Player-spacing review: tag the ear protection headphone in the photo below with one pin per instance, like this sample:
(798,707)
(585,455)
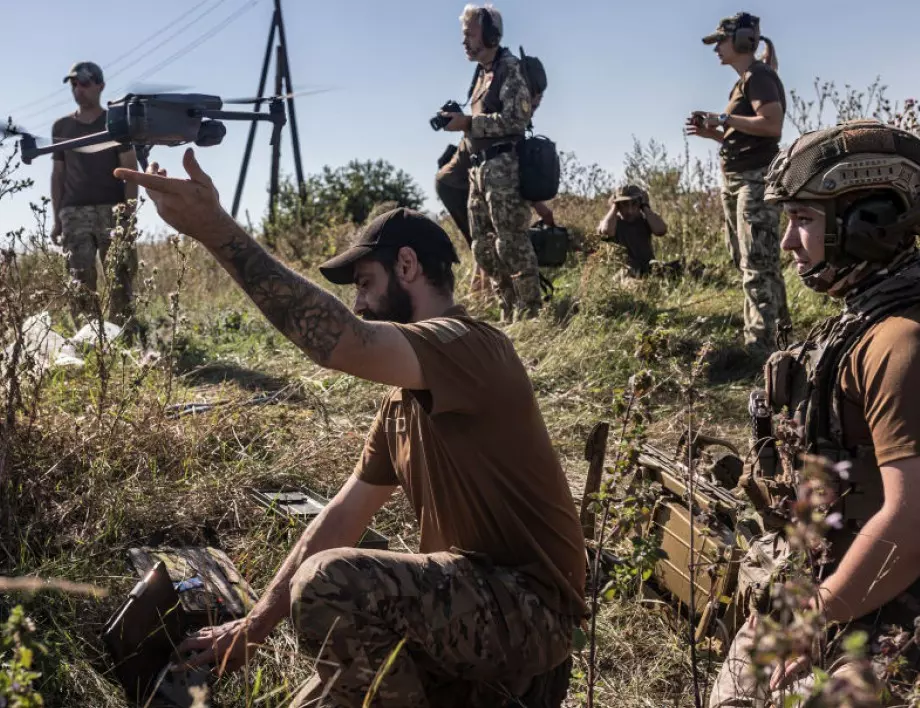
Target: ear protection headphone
(490,34)
(871,229)
(747,33)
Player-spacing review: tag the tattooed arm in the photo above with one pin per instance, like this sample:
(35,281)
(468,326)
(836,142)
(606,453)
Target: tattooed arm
(311,317)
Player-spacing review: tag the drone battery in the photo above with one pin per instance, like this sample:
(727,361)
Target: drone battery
(302,506)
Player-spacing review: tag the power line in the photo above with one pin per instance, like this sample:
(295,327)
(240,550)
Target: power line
(166,62)
(198,40)
(165,41)
(143,42)
(114,62)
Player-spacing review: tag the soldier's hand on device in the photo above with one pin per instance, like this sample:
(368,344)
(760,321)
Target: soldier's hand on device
(191,206)
(458,122)
(227,647)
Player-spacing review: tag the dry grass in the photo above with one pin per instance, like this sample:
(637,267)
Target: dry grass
(94,477)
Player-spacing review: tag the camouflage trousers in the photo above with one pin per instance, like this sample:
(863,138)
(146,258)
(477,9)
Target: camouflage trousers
(752,236)
(737,687)
(86,231)
(475,634)
(499,219)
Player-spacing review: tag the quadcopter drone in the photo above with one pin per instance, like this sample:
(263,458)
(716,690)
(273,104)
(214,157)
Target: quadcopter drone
(144,120)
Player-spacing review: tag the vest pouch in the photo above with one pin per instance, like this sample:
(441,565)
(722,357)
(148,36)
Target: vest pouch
(761,569)
(778,379)
(539,168)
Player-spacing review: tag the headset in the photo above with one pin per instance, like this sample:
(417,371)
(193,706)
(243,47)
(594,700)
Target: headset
(871,229)
(490,34)
(746,36)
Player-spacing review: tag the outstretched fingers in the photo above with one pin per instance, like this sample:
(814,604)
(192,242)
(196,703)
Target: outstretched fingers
(190,163)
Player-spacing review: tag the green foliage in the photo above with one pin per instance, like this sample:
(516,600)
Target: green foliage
(17,660)
(345,195)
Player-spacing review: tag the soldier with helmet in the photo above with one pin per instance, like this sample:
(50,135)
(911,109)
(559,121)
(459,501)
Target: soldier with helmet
(852,195)
(499,216)
(749,131)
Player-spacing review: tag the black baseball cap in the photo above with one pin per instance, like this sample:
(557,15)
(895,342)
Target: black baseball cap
(391,230)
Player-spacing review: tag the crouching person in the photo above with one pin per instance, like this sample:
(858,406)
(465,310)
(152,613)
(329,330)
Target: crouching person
(488,607)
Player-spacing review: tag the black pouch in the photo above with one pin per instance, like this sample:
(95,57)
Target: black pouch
(550,243)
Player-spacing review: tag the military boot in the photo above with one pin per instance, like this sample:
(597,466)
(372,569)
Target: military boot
(528,296)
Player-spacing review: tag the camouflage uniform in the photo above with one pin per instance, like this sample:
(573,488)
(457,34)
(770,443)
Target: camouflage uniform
(499,215)
(475,633)
(86,230)
(752,235)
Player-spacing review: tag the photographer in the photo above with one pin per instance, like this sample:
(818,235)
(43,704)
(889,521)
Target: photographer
(499,216)
(491,601)
(452,184)
(631,223)
(749,131)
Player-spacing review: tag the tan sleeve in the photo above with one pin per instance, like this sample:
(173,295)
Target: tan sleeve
(375,466)
(886,373)
(464,367)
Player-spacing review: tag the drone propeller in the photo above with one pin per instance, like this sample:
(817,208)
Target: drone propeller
(142,89)
(98,147)
(266,99)
(13,130)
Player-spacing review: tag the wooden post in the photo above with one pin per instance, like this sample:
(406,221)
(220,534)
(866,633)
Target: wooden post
(595,454)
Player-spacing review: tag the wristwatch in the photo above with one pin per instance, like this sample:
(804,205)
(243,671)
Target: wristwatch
(723,119)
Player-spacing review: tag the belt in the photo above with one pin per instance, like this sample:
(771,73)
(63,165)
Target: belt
(477,158)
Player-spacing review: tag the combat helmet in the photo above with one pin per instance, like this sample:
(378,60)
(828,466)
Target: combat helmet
(866,176)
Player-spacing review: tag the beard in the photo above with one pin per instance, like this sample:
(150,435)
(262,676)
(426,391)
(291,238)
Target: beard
(396,305)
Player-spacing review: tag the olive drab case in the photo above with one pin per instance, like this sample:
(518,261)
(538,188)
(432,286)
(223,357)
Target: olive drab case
(209,587)
(141,638)
(719,535)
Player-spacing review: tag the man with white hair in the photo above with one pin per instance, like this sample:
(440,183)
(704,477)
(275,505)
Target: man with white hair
(501,107)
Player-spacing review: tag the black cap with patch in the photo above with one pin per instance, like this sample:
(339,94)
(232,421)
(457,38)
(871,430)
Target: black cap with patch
(391,230)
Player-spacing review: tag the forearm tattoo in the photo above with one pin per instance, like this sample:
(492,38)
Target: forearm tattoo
(312,318)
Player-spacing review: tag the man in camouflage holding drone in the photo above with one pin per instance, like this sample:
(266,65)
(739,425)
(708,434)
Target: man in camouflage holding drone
(499,215)
(852,195)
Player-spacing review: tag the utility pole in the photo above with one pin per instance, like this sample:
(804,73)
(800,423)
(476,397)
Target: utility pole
(283,84)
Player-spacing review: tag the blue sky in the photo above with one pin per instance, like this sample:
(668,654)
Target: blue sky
(617,70)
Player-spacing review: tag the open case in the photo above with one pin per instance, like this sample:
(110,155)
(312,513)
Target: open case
(142,636)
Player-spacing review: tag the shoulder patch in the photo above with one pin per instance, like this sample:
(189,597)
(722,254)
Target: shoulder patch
(446,329)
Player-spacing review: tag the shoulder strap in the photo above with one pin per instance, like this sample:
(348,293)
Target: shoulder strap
(476,74)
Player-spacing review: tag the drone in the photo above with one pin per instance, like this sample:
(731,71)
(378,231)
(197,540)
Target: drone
(145,120)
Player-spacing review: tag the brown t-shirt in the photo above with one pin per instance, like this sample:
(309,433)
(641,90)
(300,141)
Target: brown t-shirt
(741,151)
(880,380)
(636,237)
(88,178)
(473,456)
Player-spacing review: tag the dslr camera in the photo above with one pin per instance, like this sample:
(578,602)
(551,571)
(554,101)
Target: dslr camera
(439,121)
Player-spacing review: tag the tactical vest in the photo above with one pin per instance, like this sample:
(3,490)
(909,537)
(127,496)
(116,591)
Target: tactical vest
(485,96)
(804,399)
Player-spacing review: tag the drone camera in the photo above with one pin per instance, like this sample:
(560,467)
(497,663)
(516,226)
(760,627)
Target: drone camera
(210,133)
